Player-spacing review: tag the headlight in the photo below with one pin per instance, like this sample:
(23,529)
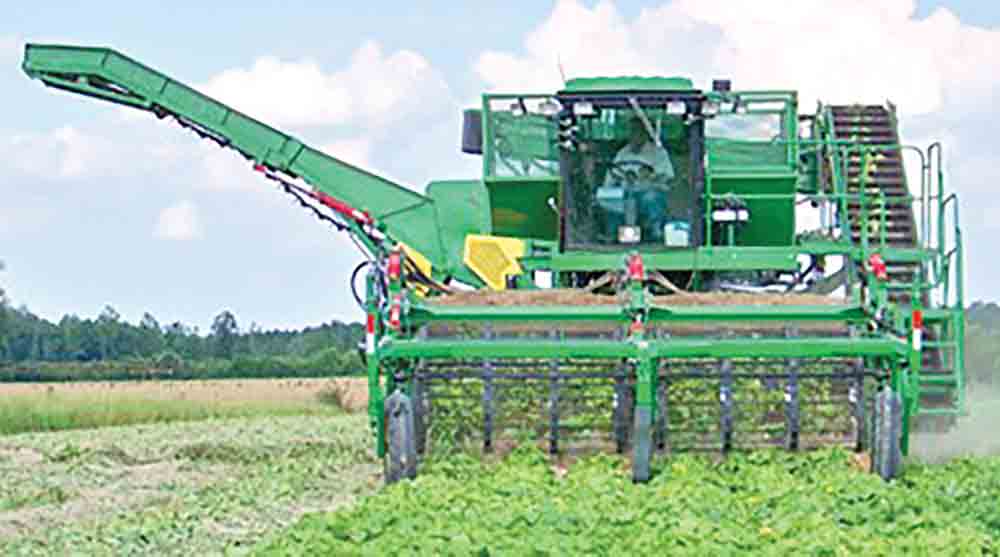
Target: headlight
(730,215)
(629,234)
(676,108)
(583,108)
(549,107)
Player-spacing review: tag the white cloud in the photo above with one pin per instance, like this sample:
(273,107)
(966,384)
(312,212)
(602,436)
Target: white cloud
(586,41)
(65,152)
(374,89)
(179,222)
(844,51)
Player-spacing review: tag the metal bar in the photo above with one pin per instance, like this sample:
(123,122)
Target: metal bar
(664,348)
(657,313)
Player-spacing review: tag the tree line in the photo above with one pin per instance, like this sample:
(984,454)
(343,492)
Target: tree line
(109,347)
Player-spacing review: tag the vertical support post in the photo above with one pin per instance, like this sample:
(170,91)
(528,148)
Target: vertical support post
(376,394)
(726,404)
(645,386)
(488,396)
(910,383)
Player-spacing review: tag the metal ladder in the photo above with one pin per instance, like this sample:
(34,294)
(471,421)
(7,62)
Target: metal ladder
(885,178)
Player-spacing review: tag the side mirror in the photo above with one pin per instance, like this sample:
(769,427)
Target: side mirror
(472,131)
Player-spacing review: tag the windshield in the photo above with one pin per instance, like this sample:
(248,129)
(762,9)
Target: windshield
(627,178)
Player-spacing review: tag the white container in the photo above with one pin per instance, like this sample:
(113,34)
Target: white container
(677,234)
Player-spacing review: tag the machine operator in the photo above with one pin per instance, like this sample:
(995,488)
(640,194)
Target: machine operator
(652,161)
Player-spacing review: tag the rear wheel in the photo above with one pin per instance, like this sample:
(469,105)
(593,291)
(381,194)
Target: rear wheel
(887,455)
(401,451)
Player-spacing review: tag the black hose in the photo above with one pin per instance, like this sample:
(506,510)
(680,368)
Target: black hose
(354,286)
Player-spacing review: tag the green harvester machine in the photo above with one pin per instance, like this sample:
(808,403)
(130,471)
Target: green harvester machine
(643,267)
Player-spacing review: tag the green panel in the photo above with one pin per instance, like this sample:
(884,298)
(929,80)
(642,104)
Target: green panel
(462,208)
(520,207)
(772,220)
(628,83)
(705,259)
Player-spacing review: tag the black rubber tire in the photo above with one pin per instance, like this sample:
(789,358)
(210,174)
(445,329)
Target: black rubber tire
(642,444)
(401,450)
(887,455)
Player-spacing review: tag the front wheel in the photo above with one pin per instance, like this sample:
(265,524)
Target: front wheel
(401,449)
(887,454)
(642,444)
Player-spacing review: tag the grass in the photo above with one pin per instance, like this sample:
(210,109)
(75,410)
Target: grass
(57,413)
(47,408)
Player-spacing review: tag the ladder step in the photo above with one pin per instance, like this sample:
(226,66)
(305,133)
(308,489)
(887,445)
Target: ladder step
(940,344)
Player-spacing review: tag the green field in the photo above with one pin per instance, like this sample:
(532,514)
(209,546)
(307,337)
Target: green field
(761,503)
(263,482)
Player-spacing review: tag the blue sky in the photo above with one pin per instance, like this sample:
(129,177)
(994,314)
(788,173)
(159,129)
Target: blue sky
(101,207)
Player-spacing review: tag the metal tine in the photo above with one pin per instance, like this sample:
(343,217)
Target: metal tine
(488,395)
(554,401)
(856,398)
(621,409)
(726,404)
(660,431)
(792,408)
(617,401)
(421,410)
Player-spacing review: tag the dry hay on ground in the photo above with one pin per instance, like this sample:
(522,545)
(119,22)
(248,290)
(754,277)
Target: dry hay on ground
(220,391)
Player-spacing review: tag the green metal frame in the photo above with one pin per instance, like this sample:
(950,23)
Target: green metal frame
(437,223)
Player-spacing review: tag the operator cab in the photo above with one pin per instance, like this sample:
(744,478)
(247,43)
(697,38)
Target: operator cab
(630,164)
(612,164)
